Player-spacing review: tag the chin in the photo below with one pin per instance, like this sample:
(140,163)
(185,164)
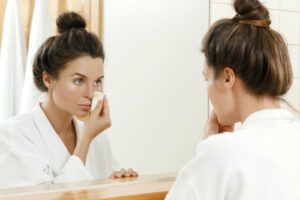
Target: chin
(81,114)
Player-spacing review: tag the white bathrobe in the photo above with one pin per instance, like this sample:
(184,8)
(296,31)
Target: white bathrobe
(32,153)
(259,161)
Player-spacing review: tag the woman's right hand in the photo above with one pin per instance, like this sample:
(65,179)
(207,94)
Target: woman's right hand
(96,124)
(213,127)
(98,121)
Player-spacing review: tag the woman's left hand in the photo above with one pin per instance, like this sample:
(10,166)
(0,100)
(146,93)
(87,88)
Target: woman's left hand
(122,173)
(213,127)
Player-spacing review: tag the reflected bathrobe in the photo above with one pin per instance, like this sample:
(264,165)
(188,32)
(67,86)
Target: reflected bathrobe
(261,160)
(32,153)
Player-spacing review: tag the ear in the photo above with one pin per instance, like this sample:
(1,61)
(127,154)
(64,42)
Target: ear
(48,80)
(229,78)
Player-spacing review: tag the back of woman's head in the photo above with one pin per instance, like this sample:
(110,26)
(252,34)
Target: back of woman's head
(72,42)
(257,54)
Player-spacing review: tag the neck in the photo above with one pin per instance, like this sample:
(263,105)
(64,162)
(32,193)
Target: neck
(254,104)
(60,120)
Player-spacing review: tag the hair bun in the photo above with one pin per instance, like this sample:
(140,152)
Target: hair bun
(68,21)
(251,10)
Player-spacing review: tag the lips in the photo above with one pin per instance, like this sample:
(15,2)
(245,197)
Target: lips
(85,107)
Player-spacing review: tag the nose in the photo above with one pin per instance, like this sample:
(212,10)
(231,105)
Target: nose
(89,91)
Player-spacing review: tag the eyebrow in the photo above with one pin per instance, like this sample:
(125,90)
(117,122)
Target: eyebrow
(78,74)
(203,73)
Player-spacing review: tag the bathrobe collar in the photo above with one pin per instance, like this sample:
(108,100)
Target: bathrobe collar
(269,115)
(56,147)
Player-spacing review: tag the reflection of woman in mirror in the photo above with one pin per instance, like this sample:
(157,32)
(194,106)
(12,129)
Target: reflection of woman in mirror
(49,145)
(247,71)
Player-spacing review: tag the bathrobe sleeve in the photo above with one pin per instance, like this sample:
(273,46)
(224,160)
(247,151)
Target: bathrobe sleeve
(182,188)
(73,170)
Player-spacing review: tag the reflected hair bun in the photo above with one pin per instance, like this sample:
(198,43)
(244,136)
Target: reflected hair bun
(252,12)
(68,21)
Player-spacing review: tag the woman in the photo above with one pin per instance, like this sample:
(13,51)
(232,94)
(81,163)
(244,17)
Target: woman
(49,145)
(247,72)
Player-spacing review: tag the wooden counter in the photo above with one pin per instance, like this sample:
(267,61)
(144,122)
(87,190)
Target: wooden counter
(141,188)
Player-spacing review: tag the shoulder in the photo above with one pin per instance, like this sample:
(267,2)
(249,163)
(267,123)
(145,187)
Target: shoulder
(211,166)
(10,134)
(220,144)
(17,121)
(222,149)
(17,129)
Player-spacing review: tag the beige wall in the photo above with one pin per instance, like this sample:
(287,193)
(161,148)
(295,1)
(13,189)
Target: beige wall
(154,81)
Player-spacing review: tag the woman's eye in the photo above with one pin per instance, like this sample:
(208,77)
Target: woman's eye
(78,81)
(97,83)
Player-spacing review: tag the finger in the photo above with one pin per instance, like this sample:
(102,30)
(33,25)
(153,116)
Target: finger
(213,116)
(227,128)
(130,170)
(134,174)
(118,175)
(113,175)
(98,108)
(127,174)
(122,172)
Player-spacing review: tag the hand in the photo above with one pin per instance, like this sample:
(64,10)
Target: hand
(98,121)
(122,173)
(213,127)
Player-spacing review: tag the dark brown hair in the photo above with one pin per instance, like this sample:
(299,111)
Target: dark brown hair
(72,42)
(257,54)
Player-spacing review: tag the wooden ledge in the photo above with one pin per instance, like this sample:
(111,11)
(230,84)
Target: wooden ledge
(141,188)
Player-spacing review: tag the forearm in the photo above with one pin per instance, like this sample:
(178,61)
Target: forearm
(82,148)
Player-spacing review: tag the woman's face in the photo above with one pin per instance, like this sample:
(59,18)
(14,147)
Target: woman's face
(73,90)
(220,95)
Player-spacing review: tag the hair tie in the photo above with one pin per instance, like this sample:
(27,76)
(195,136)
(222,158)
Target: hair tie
(260,23)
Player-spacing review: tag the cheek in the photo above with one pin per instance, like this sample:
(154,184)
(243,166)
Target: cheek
(218,100)
(224,109)
(223,103)
(67,94)
(212,95)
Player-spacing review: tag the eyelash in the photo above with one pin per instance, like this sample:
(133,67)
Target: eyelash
(96,83)
(79,79)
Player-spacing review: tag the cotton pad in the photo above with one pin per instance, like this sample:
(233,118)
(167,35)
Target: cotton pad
(98,96)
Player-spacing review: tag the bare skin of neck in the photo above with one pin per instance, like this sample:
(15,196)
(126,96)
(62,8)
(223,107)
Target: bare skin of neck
(253,103)
(62,123)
